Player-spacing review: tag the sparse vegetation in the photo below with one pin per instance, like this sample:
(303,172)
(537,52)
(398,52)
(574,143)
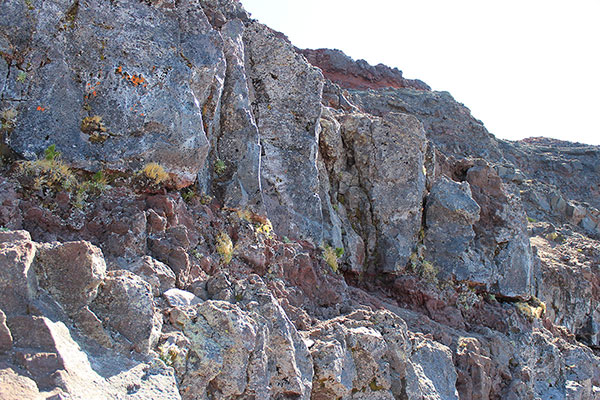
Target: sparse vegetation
(155,172)
(188,194)
(168,354)
(21,76)
(94,127)
(8,118)
(93,187)
(49,173)
(220,167)
(331,256)
(261,223)
(224,247)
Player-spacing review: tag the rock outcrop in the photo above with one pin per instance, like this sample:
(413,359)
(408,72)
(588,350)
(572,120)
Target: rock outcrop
(192,208)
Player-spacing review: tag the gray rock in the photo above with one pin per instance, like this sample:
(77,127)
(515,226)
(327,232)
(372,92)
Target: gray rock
(222,338)
(236,145)
(149,86)
(247,349)
(450,214)
(12,236)
(157,274)
(58,362)
(81,262)
(180,298)
(16,386)
(285,93)
(126,308)
(384,189)
(430,374)
(447,123)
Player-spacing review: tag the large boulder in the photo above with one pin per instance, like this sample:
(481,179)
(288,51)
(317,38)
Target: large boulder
(112,84)
(383,186)
(59,362)
(18,283)
(246,349)
(126,308)
(286,96)
(236,147)
(83,264)
(450,215)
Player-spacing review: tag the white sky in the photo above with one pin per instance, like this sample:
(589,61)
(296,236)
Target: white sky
(524,67)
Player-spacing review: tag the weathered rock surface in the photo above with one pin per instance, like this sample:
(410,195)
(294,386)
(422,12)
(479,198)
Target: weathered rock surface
(81,262)
(18,283)
(124,297)
(383,188)
(450,215)
(349,234)
(107,87)
(6,339)
(341,69)
(286,100)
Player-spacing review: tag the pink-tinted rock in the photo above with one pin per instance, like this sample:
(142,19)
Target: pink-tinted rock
(125,305)
(341,69)
(18,283)
(83,264)
(6,340)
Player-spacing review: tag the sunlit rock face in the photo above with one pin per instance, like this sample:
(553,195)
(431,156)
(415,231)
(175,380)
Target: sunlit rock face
(193,208)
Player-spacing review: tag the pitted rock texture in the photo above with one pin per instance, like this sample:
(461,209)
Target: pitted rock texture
(344,234)
(108,87)
(286,100)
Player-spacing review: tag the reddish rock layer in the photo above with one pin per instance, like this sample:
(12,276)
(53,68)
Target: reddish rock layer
(350,74)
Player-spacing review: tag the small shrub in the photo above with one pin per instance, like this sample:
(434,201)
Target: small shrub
(50,153)
(532,220)
(220,167)
(3,229)
(93,187)
(188,194)
(94,127)
(49,172)
(155,172)
(224,247)
(330,255)
(552,236)
(168,354)
(265,228)
(8,118)
(21,76)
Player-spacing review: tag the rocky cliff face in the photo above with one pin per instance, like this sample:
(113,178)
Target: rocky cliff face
(193,208)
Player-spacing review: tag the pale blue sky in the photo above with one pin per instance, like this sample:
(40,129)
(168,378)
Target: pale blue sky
(525,68)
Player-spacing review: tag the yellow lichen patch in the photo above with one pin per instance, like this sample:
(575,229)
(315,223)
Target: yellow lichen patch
(261,223)
(94,127)
(265,228)
(155,172)
(92,124)
(534,308)
(224,247)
